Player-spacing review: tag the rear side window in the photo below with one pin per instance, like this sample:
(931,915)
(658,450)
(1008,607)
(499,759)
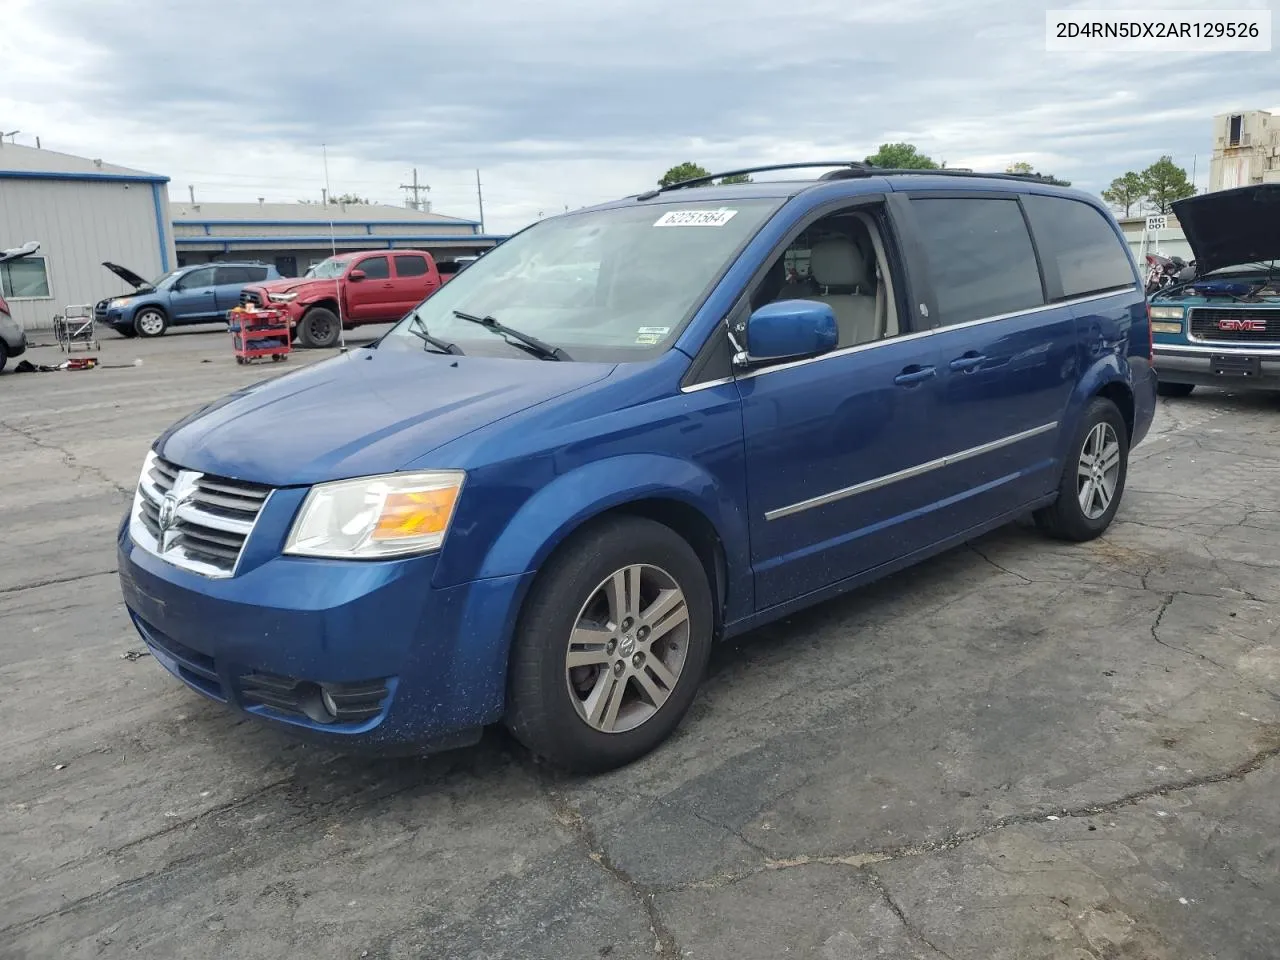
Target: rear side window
(375,268)
(230,275)
(979,256)
(256,273)
(410,266)
(1079,240)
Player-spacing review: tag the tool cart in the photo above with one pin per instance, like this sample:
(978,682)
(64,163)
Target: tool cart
(258,334)
(75,327)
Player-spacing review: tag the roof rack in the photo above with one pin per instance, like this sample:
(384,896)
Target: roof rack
(846,170)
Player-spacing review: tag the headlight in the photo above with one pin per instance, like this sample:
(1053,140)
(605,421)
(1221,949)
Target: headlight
(281,297)
(1166,313)
(387,516)
(1166,326)
(118,303)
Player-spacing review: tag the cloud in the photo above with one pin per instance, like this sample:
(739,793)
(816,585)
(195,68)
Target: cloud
(564,104)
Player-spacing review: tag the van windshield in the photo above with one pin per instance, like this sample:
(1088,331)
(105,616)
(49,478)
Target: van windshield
(615,284)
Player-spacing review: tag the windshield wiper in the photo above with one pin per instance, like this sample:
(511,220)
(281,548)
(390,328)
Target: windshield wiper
(535,346)
(419,329)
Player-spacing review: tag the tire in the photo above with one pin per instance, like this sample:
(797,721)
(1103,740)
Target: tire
(319,327)
(127,332)
(150,322)
(4,354)
(1166,389)
(1067,518)
(550,704)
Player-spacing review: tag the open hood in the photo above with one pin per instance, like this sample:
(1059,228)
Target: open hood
(1230,227)
(127,275)
(17,253)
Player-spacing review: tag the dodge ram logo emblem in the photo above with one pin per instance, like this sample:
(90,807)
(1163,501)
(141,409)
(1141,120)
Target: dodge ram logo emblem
(168,510)
(1252,326)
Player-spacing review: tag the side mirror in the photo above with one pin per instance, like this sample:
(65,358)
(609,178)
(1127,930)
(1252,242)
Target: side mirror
(788,330)
(356,275)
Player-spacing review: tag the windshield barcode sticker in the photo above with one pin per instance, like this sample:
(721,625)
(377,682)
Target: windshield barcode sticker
(695,218)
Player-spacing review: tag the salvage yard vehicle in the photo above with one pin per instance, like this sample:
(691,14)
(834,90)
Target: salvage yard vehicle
(202,293)
(543,499)
(1222,327)
(13,339)
(349,290)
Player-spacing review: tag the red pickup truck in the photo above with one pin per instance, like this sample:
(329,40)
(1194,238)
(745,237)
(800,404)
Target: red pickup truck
(348,290)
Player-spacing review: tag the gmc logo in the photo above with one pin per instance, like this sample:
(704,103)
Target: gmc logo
(1252,326)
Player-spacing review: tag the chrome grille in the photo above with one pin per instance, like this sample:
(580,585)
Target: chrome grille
(250,296)
(1236,324)
(193,520)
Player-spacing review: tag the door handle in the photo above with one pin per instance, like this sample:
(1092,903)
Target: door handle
(968,362)
(914,374)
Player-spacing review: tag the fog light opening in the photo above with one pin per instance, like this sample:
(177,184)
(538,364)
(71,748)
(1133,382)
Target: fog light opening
(326,700)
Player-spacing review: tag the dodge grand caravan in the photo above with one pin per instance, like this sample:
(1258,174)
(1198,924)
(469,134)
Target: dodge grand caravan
(630,432)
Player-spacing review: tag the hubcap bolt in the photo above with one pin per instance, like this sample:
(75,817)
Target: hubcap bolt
(611,646)
(642,633)
(618,668)
(626,624)
(637,660)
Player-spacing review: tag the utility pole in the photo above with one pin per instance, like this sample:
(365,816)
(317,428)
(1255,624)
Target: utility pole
(415,189)
(191,189)
(480,199)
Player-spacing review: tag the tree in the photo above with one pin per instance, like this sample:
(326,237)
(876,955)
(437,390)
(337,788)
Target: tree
(349,198)
(1127,191)
(901,156)
(682,171)
(1024,169)
(1164,182)
(740,178)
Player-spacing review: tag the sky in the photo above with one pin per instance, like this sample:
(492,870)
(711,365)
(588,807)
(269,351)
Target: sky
(561,104)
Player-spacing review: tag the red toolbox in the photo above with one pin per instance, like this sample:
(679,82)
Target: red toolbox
(257,334)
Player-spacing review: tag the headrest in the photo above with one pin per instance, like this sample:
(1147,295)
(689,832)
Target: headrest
(837,263)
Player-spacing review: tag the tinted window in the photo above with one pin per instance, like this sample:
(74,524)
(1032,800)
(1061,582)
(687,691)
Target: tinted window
(409,266)
(375,268)
(1081,242)
(979,256)
(256,273)
(198,279)
(230,275)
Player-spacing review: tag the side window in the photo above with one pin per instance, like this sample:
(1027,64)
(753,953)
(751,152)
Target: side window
(225,276)
(198,279)
(256,273)
(841,261)
(410,266)
(979,256)
(27,277)
(1080,241)
(375,268)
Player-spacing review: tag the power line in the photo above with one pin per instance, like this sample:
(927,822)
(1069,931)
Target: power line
(415,188)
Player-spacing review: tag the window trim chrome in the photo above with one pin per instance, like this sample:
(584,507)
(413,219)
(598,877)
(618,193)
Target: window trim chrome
(918,470)
(919,334)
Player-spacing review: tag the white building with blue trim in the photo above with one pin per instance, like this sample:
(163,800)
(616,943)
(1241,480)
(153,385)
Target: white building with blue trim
(293,236)
(83,212)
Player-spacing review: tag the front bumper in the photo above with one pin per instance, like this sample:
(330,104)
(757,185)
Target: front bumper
(440,654)
(1227,367)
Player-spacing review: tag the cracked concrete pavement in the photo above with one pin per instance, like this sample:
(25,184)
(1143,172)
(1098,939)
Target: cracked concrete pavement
(1022,749)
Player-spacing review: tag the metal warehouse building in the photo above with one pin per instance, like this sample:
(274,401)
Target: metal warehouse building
(294,236)
(82,212)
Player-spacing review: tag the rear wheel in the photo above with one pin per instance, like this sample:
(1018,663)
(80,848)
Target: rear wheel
(1093,477)
(1166,389)
(319,327)
(611,646)
(150,322)
(4,354)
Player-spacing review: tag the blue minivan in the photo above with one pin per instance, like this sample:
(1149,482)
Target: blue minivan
(630,432)
(202,293)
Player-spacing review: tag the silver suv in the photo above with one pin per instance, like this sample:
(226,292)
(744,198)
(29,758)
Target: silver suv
(13,340)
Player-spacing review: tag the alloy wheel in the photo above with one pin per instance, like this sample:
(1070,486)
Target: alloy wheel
(1098,471)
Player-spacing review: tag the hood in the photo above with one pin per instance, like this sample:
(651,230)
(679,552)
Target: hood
(128,276)
(362,413)
(298,285)
(1230,227)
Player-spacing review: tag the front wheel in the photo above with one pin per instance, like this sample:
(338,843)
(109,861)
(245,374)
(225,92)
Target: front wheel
(319,327)
(611,646)
(1093,477)
(150,323)
(1166,389)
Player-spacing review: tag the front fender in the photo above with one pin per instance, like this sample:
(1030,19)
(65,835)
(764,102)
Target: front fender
(562,506)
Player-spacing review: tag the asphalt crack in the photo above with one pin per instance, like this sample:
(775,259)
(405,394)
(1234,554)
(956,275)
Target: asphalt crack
(54,581)
(914,932)
(1003,569)
(69,459)
(863,859)
(1155,634)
